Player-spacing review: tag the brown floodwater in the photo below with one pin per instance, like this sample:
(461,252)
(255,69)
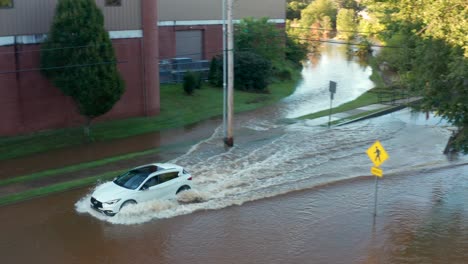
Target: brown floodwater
(422,218)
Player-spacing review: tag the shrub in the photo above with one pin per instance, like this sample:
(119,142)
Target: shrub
(252,71)
(215,76)
(190,82)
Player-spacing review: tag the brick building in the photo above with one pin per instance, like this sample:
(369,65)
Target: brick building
(143,32)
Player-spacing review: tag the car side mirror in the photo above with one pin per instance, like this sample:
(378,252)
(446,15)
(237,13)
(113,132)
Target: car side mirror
(144,188)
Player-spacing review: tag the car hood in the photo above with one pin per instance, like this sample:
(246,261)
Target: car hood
(110,191)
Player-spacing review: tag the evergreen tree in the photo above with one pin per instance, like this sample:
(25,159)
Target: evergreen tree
(78,57)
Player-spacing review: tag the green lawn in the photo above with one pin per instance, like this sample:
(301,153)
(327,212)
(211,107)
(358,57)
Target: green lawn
(367,98)
(177,110)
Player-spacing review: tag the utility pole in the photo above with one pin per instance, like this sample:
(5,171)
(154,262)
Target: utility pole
(229,139)
(224,71)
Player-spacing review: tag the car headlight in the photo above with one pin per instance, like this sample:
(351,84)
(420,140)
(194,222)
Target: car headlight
(112,201)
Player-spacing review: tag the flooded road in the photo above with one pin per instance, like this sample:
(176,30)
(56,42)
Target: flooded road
(319,207)
(286,193)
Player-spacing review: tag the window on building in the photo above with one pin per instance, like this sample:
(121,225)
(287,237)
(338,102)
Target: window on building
(111,2)
(6,3)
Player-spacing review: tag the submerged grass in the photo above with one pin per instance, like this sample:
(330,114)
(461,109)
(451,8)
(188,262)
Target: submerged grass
(60,187)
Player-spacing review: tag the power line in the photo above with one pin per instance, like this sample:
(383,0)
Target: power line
(61,48)
(63,67)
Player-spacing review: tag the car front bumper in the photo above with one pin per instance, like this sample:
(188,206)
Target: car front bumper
(109,210)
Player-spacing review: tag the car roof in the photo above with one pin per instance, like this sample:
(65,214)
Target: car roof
(161,166)
(167,166)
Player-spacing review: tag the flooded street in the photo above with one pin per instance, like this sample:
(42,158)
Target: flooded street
(285,193)
(319,207)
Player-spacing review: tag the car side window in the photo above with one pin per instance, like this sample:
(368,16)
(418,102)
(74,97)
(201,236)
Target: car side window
(151,182)
(168,176)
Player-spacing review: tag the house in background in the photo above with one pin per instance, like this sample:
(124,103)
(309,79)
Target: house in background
(144,33)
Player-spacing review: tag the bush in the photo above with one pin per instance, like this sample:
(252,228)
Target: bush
(198,80)
(190,82)
(215,76)
(252,71)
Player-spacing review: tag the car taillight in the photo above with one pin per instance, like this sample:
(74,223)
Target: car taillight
(190,178)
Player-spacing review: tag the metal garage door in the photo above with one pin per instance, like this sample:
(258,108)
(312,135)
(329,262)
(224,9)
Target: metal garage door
(189,44)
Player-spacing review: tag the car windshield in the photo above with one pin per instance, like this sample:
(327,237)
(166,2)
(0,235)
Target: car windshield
(132,179)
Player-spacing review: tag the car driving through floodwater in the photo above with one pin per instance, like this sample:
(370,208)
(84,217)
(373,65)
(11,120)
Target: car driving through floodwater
(140,184)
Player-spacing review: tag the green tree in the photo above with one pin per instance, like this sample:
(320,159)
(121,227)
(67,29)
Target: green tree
(261,37)
(432,36)
(346,24)
(79,59)
(252,72)
(294,9)
(318,9)
(6,3)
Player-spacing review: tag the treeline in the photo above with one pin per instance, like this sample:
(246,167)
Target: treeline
(426,45)
(428,48)
(317,19)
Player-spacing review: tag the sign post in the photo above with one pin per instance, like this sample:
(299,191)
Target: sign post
(377,155)
(332,89)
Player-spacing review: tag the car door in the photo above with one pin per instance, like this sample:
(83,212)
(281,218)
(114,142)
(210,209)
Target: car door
(168,183)
(149,190)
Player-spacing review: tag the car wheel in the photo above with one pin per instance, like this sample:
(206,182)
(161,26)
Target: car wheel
(183,188)
(127,203)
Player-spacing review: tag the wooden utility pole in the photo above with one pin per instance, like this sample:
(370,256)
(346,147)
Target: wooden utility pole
(229,139)
(224,71)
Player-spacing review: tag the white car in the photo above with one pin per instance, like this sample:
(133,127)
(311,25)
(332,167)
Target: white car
(144,183)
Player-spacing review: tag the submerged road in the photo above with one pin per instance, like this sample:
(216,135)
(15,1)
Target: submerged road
(285,194)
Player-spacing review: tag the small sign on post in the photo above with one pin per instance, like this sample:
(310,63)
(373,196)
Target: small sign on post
(332,89)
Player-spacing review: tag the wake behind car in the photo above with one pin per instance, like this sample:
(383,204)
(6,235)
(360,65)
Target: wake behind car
(140,184)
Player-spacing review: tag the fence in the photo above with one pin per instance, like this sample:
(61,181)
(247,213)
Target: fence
(173,70)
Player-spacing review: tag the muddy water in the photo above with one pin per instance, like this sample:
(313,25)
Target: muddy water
(319,207)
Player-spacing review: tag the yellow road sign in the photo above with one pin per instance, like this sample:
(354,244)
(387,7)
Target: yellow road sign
(377,154)
(377,172)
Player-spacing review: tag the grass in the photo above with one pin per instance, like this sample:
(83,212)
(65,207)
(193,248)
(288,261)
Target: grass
(177,110)
(337,122)
(368,98)
(60,187)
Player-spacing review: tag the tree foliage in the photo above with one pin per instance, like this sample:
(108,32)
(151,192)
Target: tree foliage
(252,72)
(346,24)
(318,9)
(432,36)
(261,37)
(294,9)
(6,3)
(79,58)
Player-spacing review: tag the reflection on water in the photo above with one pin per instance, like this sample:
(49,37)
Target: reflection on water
(332,64)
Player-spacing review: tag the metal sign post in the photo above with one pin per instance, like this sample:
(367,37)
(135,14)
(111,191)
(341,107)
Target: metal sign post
(332,90)
(377,155)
